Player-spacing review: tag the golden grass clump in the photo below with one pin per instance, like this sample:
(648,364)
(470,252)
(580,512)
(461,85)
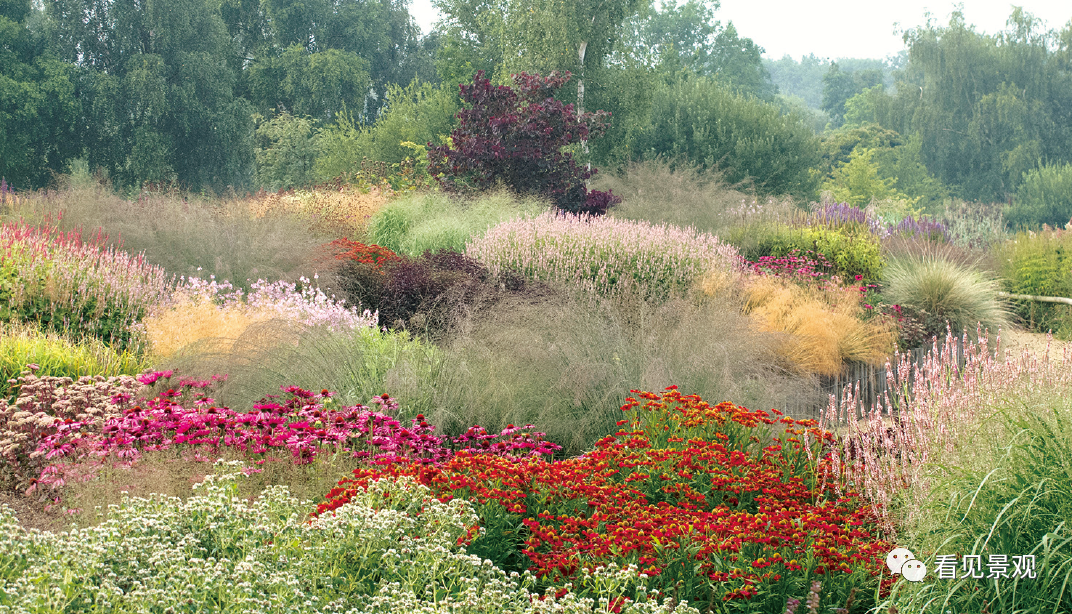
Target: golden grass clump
(196,319)
(328,210)
(823,327)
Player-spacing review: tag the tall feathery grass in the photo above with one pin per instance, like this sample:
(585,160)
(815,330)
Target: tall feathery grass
(343,211)
(685,196)
(190,235)
(566,362)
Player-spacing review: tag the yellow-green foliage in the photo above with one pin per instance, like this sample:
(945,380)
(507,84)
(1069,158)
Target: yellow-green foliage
(22,344)
(852,251)
(857,181)
(192,319)
(1040,263)
(418,222)
(823,328)
(343,211)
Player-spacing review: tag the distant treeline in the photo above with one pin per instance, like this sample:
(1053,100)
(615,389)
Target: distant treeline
(204,94)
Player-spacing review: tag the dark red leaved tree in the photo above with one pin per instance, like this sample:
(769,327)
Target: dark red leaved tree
(516,134)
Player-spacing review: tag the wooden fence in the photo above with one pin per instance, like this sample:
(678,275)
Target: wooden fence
(872,382)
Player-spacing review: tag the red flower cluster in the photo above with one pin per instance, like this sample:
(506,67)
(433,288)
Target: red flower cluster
(359,252)
(691,494)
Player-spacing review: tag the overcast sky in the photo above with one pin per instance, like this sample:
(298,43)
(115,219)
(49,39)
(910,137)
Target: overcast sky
(843,28)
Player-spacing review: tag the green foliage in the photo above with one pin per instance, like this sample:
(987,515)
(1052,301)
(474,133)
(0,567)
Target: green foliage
(852,251)
(59,357)
(897,162)
(308,84)
(748,140)
(839,86)
(837,145)
(687,38)
(986,108)
(157,93)
(416,223)
(418,114)
(948,291)
(38,106)
(287,152)
(857,181)
(1044,197)
(1040,263)
(803,79)
(1004,491)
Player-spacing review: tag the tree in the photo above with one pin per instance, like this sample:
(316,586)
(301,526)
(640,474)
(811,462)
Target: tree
(749,140)
(803,79)
(286,152)
(839,86)
(156,90)
(986,108)
(418,113)
(516,136)
(309,84)
(688,38)
(38,107)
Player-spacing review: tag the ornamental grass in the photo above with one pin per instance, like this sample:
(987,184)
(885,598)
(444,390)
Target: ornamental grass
(326,210)
(824,328)
(950,397)
(217,315)
(603,255)
(187,234)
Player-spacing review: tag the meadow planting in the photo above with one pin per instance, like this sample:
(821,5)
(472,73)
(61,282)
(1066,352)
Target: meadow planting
(427,402)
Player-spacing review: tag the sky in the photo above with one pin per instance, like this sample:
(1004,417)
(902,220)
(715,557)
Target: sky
(843,28)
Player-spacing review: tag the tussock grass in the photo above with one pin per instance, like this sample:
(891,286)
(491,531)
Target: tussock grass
(956,293)
(823,328)
(433,221)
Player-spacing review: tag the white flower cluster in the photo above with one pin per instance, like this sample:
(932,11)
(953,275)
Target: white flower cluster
(309,306)
(390,550)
